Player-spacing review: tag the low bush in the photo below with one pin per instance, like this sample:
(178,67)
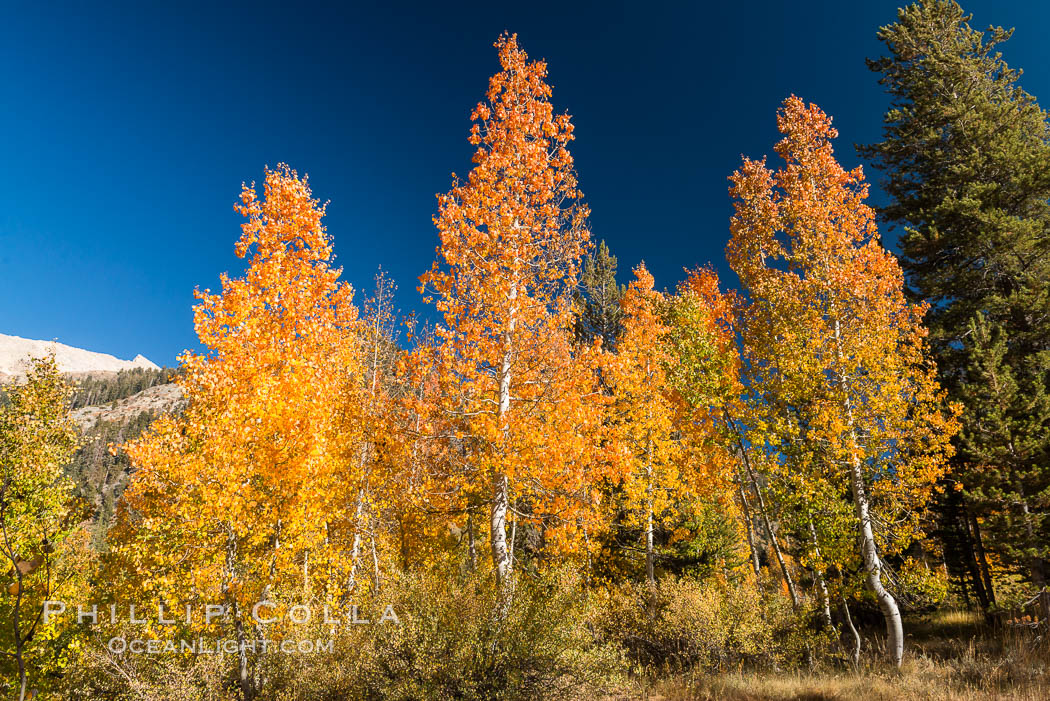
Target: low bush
(456,639)
(685,623)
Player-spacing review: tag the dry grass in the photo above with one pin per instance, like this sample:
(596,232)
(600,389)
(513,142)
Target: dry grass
(951,657)
(915,686)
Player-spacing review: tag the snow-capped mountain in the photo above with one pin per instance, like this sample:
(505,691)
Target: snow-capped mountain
(14,350)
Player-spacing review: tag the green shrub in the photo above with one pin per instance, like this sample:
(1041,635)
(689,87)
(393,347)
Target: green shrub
(452,644)
(455,640)
(687,623)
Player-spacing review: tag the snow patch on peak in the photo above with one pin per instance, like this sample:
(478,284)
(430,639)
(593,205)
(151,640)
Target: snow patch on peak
(15,351)
(142,361)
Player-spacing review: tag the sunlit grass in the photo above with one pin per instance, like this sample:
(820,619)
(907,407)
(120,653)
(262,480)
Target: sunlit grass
(952,656)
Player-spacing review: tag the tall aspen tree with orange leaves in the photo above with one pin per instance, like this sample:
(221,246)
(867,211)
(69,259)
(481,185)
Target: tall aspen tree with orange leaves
(643,414)
(837,355)
(673,373)
(247,496)
(512,236)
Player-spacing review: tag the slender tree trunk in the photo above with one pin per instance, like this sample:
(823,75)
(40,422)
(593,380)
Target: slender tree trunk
(749,528)
(367,448)
(498,524)
(355,549)
(1035,563)
(17,624)
(513,532)
(21,673)
(244,677)
(973,563)
(590,564)
(868,549)
(376,574)
(822,585)
(855,653)
(650,552)
(873,567)
(247,688)
(650,574)
(982,559)
(500,485)
(16,618)
(472,547)
(792,591)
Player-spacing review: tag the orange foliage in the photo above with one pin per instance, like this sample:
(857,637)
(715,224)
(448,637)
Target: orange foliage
(515,394)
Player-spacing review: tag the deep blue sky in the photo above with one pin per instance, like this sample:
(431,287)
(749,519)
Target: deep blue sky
(128,129)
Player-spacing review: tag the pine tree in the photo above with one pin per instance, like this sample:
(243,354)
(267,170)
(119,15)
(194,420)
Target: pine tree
(599,314)
(967,155)
(1006,439)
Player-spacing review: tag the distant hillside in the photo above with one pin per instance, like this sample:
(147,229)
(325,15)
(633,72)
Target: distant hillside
(102,389)
(112,408)
(14,350)
(154,401)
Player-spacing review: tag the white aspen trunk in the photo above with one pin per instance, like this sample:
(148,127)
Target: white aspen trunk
(470,541)
(375,562)
(590,564)
(822,585)
(745,509)
(649,555)
(243,673)
(868,548)
(825,600)
(498,524)
(363,465)
(513,533)
(855,652)
(355,550)
(873,569)
(500,485)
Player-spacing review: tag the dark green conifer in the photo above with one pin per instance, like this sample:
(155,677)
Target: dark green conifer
(966,153)
(598,301)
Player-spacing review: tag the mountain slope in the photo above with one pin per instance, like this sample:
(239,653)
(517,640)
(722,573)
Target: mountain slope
(155,400)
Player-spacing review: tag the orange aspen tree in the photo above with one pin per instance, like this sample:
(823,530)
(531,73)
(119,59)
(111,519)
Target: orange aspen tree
(233,499)
(424,453)
(512,236)
(837,356)
(643,414)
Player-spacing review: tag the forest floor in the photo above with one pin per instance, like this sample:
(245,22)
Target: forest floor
(951,656)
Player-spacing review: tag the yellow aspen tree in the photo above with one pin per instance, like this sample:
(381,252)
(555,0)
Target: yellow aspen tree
(233,499)
(377,469)
(512,236)
(836,354)
(704,384)
(39,524)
